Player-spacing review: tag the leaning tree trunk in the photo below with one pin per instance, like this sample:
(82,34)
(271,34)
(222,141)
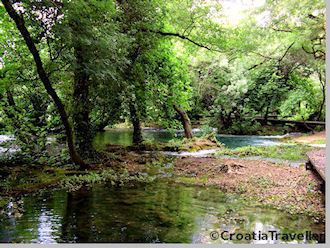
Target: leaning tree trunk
(20,24)
(185,121)
(137,130)
(81,105)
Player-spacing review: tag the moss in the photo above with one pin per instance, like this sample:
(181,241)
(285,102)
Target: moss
(108,175)
(192,145)
(287,152)
(27,179)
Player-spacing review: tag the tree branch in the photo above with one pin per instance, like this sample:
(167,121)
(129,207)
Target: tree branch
(282,30)
(261,55)
(267,58)
(286,52)
(256,65)
(183,37)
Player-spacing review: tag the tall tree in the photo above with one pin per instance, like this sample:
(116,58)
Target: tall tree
(20,24)
(137,16)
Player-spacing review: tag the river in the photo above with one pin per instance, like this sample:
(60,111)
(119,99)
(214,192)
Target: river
(148,213)
(144,213)
(124,137)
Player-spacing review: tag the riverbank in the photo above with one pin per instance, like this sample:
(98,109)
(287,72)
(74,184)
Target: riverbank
(20,180)
(268,184)
(293,190)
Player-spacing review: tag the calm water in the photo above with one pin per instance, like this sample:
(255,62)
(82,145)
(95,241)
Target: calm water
(157,212)
(124,137)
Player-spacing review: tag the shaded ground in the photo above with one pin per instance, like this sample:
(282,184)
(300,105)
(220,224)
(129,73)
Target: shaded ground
(119,166)
(291,189)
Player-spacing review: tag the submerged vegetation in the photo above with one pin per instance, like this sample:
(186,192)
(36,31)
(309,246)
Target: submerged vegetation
(26,180)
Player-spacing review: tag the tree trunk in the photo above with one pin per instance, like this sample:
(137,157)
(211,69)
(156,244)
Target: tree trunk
(323,96)
(81,106)
(185,121)
(137,130)
(226,120)
(266,116)
(10,99)
(11,112)
(321,107)
(39,105)
(20,24)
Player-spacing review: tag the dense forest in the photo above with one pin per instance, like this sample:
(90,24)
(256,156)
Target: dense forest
(212,73)
(75,67)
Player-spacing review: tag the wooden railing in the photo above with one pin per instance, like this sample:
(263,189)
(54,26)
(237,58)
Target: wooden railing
(283,121)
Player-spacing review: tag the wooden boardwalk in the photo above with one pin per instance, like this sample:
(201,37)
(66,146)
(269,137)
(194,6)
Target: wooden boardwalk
(316,162)
(283,121)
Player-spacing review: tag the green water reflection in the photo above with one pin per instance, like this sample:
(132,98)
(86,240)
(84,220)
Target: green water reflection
(125,136)
(157,212)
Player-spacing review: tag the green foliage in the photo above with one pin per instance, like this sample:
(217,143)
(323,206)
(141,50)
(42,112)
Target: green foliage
(206,130)
(152,55)
(167,83)
(303,101)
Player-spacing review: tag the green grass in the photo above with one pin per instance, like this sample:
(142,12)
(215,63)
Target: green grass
(320,141)
(287,152)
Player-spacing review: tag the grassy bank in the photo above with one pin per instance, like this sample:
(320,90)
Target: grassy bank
(292,152)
